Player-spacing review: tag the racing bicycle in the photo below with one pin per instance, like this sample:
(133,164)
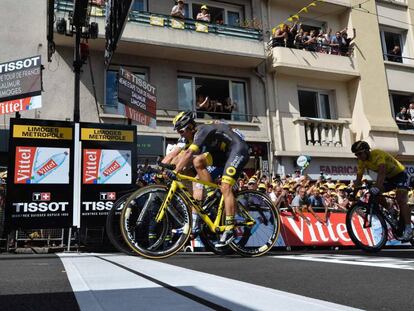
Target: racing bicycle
(156,220)
(370,224)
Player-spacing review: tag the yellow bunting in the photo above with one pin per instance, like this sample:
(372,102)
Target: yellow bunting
(200,27)
(305,10)
(177,24)
(157,21)
(312,4)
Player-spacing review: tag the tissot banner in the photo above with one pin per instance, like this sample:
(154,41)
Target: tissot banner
(40,178)
(138,96)
(20,85)
(109,164)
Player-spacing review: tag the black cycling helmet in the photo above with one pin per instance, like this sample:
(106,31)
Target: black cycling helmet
(183,119)
(360,146)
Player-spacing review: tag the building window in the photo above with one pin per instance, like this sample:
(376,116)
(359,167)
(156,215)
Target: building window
(111,88)
(315,104)
(213,98)
(221,13)
(139,5)
(400,101)
(392,41)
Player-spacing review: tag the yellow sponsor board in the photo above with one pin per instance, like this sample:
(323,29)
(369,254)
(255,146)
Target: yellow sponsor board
(107,135)
(42,132)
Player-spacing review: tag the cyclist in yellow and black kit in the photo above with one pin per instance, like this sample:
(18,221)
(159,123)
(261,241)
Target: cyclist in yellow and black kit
(391,175)
(222,147)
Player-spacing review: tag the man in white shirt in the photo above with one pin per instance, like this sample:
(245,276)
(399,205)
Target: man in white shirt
(178,10)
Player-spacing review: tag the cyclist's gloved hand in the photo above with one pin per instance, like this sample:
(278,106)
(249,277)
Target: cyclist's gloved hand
(375,191)
(171,175)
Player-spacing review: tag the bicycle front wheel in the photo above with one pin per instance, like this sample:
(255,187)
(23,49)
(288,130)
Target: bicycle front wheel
(257,224)
(113,230)
(147,237)
(368,231)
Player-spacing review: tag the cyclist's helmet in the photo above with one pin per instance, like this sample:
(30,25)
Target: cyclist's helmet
(360,146)
(183,119)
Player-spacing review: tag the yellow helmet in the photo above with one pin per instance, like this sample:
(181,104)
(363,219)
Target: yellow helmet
(183,119)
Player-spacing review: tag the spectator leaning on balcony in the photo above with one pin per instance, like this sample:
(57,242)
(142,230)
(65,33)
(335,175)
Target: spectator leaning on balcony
(310,41)
(345,48)
(410,111)
(281,35)
(324,40)
(202,104)
(402,116)
(203,15)
(178,10)
(299,39)
(337,43)
(228,108)
(395,54)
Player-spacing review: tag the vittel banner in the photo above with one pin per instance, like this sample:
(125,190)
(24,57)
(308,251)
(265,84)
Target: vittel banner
(109,165)
(40,179)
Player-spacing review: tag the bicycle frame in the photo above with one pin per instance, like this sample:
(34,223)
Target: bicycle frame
(177,186)
(374,204)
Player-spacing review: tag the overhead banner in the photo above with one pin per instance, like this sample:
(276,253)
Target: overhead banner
(20,85)
(109,168)
(139,98)
(40,178)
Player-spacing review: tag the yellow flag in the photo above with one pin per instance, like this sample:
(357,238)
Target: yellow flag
(312,4)
(290,19)
(305,9)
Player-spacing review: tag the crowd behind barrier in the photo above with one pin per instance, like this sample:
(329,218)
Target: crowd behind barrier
(313,202)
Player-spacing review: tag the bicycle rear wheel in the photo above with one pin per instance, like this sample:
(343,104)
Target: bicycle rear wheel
(253,240)
(113,230)
(368,231)
(147,237)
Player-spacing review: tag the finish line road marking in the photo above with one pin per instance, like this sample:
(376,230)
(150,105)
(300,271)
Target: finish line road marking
(119,282)
(368,261)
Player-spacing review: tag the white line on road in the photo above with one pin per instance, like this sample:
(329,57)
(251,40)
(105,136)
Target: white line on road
(369,261)
(100,285)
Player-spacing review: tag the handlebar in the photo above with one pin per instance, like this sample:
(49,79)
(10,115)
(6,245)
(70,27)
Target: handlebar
(170,167)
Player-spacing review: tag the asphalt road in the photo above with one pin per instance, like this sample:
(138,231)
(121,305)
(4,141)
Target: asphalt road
(297,280)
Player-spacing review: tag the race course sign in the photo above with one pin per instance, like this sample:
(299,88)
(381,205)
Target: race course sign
(139,98)
(40,179)
(20,85)
(109,154)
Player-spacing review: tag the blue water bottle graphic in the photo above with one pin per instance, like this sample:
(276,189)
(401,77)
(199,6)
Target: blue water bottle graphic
(376,230)
(47,167)
(108,171)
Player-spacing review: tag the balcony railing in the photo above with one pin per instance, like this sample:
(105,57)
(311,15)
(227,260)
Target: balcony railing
(324,133)
(317,48)
(157,20)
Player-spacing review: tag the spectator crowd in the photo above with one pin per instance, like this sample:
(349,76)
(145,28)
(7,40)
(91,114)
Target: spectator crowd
(405,118)
(314,40)
(298,193)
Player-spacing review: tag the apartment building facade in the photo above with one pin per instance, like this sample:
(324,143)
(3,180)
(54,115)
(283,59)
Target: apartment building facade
(289,102)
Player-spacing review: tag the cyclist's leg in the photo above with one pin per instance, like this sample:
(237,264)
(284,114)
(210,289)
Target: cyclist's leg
(236,161)
(401,183)
(200,163)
